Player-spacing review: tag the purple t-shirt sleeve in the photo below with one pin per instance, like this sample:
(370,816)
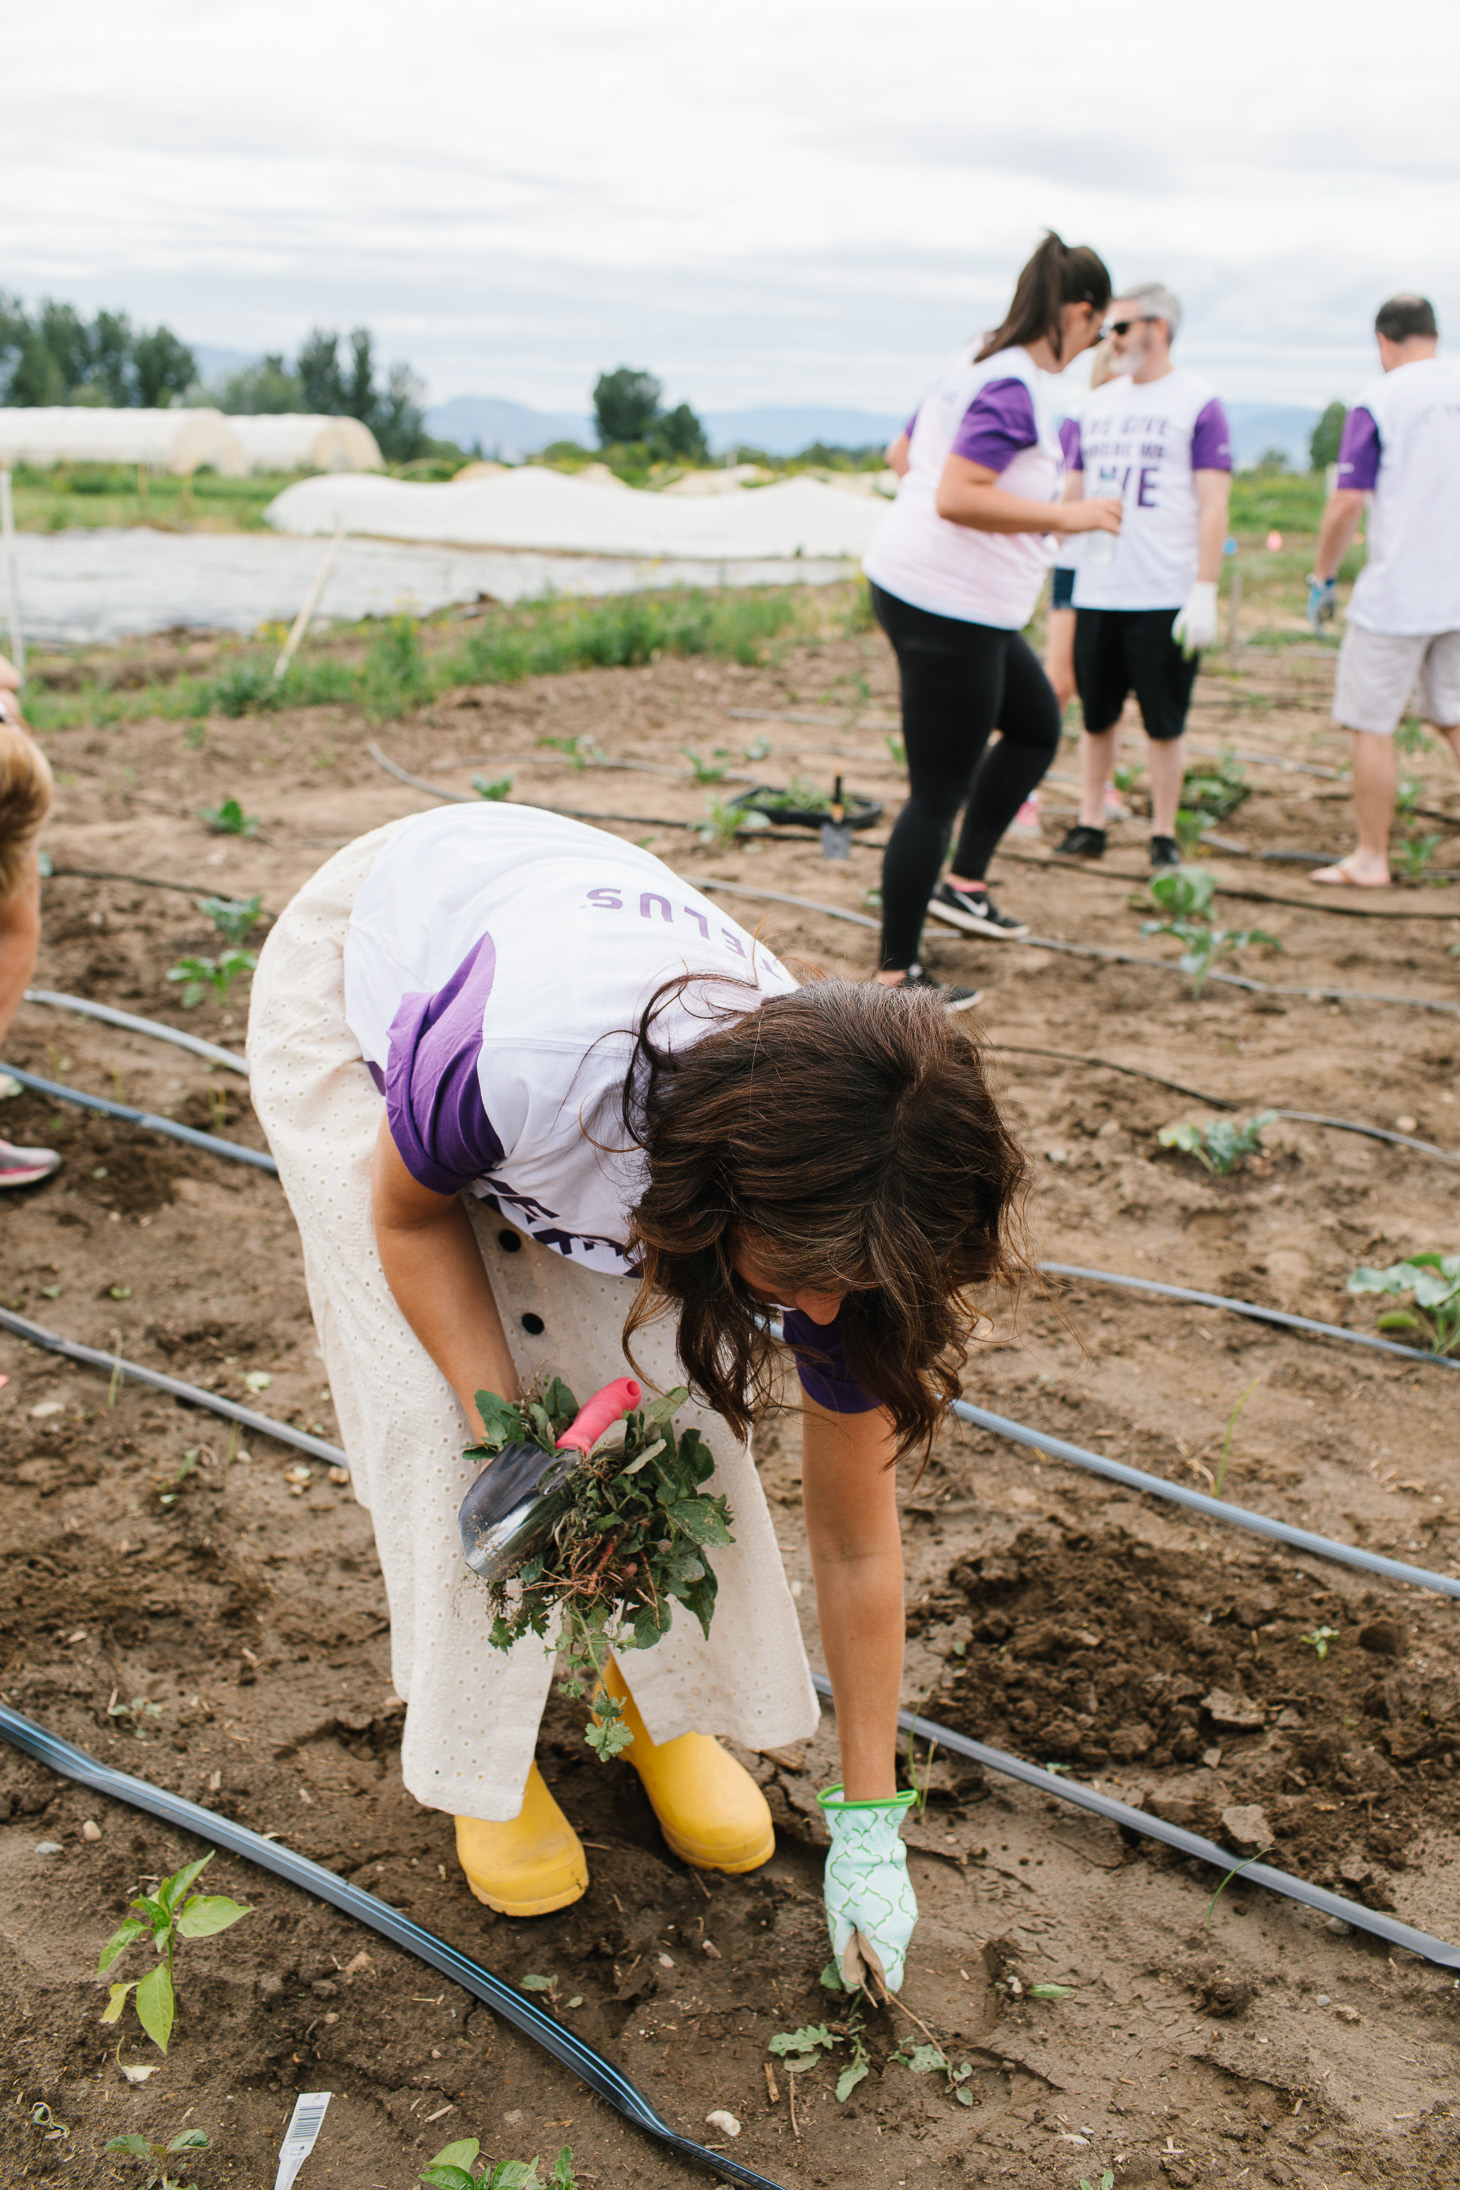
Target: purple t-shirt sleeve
(998,423)
(1070,444)
(825,1377)
(1359,451)
(433,1097)
(1211,439)
(908,428)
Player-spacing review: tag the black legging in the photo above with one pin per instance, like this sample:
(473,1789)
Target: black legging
(959,681)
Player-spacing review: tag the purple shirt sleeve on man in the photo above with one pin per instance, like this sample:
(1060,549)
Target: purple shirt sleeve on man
(433,1098)
(825,1376)
(1211,439)
(998,423)
(1359,451)
(1070,444)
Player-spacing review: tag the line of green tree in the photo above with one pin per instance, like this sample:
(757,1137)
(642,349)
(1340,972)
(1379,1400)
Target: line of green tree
(339,383)
(628,414)
(53,355)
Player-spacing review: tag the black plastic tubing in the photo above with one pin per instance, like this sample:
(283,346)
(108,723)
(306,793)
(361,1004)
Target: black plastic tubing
(234,1150)
(503,1999)
(1175,1836)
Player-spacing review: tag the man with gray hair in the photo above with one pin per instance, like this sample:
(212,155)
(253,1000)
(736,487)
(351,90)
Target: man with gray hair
(1401,452)
(1146,598)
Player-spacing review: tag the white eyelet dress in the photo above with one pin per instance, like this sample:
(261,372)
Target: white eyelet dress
(473,1711)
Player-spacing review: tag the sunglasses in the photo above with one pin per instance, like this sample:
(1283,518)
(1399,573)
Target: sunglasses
(1123,326)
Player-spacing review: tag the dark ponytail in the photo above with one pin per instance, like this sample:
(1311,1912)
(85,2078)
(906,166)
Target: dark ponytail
(1056,275)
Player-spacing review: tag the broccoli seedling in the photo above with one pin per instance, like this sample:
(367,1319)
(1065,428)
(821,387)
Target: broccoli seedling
(159,2156)
(1433,1282)
(1184,894)
(1222,1146)
(495,790)
(217,974)
(229,819)
(233,917)
(454,2168)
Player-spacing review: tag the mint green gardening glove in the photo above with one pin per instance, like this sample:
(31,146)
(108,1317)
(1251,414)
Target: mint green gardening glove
(870,1905)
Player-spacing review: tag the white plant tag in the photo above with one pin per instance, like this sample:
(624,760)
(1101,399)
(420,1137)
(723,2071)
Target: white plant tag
(299,2137)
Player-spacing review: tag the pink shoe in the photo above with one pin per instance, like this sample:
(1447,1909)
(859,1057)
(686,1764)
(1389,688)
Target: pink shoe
(1026,821)
(1115,806)
(26,1166)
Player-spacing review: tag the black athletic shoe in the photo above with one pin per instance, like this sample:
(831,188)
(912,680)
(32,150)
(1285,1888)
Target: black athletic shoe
(1082,843)
(1165,852)
(975,912)
(954,999)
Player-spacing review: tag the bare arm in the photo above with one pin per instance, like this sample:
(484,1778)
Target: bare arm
(20,939)
(1213,493)
(968,495)
(1341,514)
(434,1268)
(897,456)
(850,1497)
(1073,489)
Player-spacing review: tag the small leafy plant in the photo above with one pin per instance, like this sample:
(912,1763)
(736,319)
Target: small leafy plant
(1184,894)
(928,2060)
(229,819)
(495,789)
(1415,854)
(724,821)
(454,2168)
(1221,1146)
(172,1913)
(578,751)
(217,974)
(708,771)
(1319,1641)
(233,917)
(1216,790)
(800,2050)
(628,1541)
(159,2157)
(1433,1282)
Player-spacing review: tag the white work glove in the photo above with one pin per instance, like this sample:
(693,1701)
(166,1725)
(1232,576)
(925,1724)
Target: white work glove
(1195,627)
(870,1905)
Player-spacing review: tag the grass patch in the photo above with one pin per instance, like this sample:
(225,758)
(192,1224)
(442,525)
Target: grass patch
(65,496)
(404,664)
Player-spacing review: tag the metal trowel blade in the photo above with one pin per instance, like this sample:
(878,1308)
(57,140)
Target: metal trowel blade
(836,840)
(496,1515)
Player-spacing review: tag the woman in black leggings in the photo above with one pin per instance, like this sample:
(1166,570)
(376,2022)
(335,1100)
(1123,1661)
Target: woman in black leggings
(956,568)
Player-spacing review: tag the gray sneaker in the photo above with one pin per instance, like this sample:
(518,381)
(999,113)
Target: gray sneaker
(954,999)
(975,913)
(26,1166)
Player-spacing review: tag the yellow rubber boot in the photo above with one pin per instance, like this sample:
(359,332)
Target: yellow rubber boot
(525,1865)
(709,1808)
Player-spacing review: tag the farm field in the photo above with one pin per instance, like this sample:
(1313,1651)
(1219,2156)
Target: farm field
(220,1628)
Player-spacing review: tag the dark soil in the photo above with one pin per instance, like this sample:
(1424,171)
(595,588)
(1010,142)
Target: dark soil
(1113,2016)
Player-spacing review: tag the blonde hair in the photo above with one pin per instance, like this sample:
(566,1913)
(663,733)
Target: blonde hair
(26,790)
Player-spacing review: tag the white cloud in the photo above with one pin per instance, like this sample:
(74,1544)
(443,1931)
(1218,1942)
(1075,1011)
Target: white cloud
(761,203)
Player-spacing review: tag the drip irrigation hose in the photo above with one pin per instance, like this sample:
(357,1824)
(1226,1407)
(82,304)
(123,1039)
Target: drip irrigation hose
(1328,902)
(1249,1308)
(234,1150)
(110,1016)
(1215,1509)
(92,1357)
(503,1999)
(142,881)
(1114,957)
(1075,1791)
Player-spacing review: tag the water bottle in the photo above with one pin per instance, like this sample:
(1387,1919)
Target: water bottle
(1097,549)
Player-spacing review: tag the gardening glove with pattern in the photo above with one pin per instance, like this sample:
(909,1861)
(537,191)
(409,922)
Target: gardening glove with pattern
(1195,627)
(1322,603)
(870,1905)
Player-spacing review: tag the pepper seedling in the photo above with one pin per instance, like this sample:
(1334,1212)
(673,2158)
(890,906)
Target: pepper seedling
(159,2155)
(217,974)
(172,1913)
(454,2166)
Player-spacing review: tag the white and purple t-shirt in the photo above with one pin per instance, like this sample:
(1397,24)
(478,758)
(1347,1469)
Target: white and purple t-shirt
(497,962)
(1067,544)
(1401,443)
(1146,443)
(995,414)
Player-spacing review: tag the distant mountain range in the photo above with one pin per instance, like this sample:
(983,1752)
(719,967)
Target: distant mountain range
(514,430)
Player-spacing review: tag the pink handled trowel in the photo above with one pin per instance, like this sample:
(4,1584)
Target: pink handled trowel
(516,1499)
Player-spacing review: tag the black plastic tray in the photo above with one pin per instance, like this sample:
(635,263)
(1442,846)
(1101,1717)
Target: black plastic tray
(861,813)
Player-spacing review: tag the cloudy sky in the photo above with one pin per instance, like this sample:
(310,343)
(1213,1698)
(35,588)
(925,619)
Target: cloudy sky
(778,201)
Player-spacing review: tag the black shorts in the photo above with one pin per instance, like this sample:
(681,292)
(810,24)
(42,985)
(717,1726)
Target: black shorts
(1124,650)
(1062,590)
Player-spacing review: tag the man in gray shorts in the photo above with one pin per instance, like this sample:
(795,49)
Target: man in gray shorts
(1401,448)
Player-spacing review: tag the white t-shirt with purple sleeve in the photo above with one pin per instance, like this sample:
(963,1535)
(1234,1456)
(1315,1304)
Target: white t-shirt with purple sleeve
(1401,444)
(1067,544)
(497,962)
(1146,443)
(996,414)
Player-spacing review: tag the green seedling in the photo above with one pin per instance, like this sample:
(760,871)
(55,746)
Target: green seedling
(578,751)
(629,1540)
(190,1461)
(724,822)
(172,1913)
(498,789)
(898,751)
(455,2165)
(1190,829)
(217,974)
(1211,793)
(1412,737)
(708,771)
(928,2060)
(1433,1282)
(1407,794)
(1415,854)
(159,2157)
(803,2049)
(1185,895)
(1221,1146)
(757,751)
(1126,779)
(1051,1992)
(1221,1475)
(1319,1640)
(1106,2182)
(549,1987)
(233,917)
(137,1710)
(229,819)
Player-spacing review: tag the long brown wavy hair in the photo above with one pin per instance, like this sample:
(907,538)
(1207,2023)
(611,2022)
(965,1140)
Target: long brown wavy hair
(1059,273)
(851,1127)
